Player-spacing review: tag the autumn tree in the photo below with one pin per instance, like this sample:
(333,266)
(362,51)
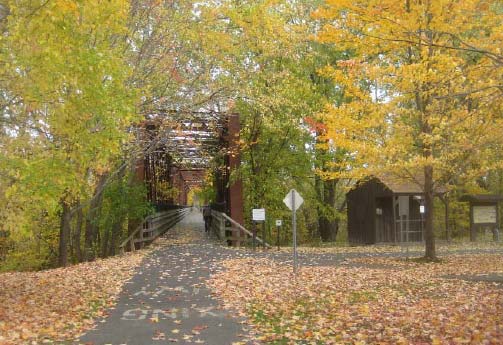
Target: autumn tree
(417,95)
(330,188)
(66,76)
(268,66)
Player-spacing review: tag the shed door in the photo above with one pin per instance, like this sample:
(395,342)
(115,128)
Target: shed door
(384,220)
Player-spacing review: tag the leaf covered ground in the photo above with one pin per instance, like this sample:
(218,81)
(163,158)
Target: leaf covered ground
(59,304)
(368,300)
(451,247)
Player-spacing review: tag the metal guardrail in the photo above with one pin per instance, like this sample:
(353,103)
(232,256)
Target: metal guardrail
(227,229)
(152,227)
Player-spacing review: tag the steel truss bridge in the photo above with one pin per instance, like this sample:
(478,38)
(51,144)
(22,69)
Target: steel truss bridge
(181,149)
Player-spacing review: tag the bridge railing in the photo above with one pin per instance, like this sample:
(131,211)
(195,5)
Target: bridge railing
(152,227)
(228,230)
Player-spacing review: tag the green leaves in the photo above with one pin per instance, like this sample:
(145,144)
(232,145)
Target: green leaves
(66,71)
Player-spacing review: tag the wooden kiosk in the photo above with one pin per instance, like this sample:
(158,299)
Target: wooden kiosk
(484,213)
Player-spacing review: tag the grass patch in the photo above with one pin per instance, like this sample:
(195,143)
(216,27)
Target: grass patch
(262,317)
(362,296)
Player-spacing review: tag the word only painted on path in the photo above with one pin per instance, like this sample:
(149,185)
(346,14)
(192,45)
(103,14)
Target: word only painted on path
(163,289)
(174,313)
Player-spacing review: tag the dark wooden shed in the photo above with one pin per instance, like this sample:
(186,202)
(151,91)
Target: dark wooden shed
(386,210)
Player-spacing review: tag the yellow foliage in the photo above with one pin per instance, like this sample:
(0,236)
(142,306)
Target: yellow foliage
(421,88)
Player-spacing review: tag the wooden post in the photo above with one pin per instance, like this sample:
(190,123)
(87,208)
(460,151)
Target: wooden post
(277,236)
(263,235)
(254,236)
(393,202)
(222,228)
(473,229)
(496,231)
(447,235)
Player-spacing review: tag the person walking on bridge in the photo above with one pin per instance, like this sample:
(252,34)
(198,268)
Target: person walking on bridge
(207,218)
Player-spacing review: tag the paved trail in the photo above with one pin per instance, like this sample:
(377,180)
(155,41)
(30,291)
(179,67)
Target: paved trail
(167,301)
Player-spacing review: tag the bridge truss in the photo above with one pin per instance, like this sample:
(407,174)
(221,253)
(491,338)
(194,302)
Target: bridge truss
(182,148)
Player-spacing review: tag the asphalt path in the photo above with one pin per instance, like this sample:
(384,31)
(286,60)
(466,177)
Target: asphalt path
(167,300)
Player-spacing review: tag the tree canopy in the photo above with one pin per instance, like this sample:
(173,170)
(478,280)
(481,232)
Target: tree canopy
(329,92)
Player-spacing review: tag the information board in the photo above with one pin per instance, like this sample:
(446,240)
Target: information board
(258,214)
(484,214)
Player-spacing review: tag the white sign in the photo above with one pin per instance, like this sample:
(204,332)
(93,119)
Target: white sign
(484,214)
(422,209)
(258,214)
(279,222)
(288,200)
(293,200)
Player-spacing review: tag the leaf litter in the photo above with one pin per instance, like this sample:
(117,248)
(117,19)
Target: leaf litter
(400,302)
(60,304)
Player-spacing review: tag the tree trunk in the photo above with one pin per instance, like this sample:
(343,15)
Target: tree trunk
(329,226)
(78,233)
(91,229)
(318,185)
(116,230)
(446,215)
(104,243)
(119,222)
(430,253)
(64,233)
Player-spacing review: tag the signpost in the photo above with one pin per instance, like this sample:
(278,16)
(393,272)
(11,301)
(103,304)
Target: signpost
(278,227)
(258,215)
(293,200)
(483,214)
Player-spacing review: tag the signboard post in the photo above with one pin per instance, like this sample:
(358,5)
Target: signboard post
(484,214)
(293,200)
(264,236)
(278,227)
(254,237)
(258,215)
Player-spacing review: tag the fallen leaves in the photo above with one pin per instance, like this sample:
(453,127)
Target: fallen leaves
(383,248)
(60,304)
(398,302)
(197,329)
(158,335)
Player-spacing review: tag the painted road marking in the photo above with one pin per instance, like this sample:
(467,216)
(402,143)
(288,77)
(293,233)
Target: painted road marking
(162,289)
(184,313)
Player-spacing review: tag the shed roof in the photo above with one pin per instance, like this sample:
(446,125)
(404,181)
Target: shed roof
(402,185)
(482,197)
